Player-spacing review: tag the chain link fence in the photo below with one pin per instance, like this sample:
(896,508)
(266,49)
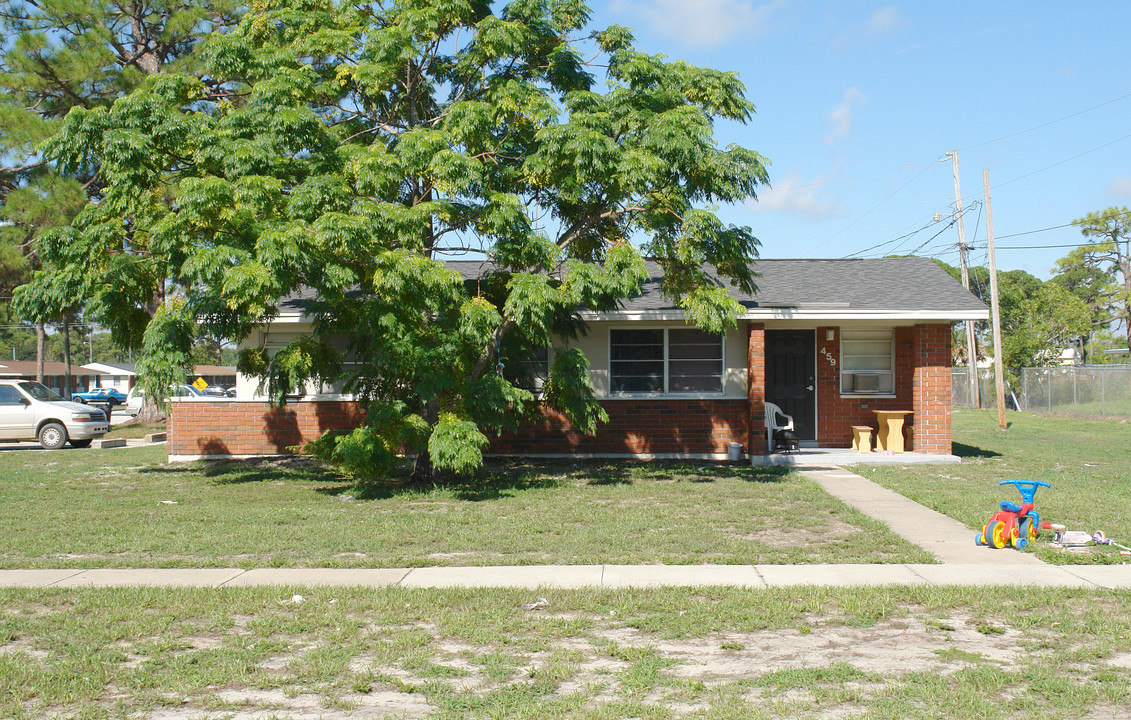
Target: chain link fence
(1103,390)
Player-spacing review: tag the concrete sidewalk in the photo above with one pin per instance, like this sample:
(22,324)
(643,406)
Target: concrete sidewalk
(963,563)
(581,576)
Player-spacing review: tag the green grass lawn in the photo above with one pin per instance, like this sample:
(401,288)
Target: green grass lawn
(710,653)
(1085,461)
(133,429)
(125,508)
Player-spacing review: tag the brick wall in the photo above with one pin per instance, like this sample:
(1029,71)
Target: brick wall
(253,428)
(635,427)
(667,426)
(756,394)
(922,385)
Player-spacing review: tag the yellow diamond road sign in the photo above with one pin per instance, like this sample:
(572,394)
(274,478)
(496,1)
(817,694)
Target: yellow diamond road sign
(200,384)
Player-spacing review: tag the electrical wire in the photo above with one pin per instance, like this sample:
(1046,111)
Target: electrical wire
(1056,164)
(873,208)
(1050,122)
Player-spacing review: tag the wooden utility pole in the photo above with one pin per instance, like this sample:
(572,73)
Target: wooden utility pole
(971,343)
(995,311)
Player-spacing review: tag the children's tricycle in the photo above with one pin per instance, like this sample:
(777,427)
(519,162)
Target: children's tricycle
(1016,525)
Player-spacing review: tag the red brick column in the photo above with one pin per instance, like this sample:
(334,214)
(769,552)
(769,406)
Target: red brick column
(932,392)
(756,389)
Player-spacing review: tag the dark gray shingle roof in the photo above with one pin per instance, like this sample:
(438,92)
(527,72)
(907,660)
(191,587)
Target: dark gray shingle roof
(904,284)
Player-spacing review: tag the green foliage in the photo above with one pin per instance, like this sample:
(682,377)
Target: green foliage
(370,452)
(166,349)
(1099,273)
(1042,322)
(456,444)
(568,389)
(350,150)
(80,56)
(1038,319)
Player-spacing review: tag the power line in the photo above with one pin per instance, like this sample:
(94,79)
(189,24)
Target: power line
(1050,122)
(1040,247)
(1049,167)
(874,207)
(1040,230)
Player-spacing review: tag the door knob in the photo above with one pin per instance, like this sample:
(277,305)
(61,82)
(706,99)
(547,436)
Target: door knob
(810,388)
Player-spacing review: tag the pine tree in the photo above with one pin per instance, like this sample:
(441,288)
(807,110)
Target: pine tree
(58,56)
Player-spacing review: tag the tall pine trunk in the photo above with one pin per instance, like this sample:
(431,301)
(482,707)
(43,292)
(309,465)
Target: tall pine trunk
(67,359)
(40,351)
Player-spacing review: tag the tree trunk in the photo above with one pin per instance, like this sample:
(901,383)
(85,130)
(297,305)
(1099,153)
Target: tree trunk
(422,471)
(40,351)
(67,359)
(149,412)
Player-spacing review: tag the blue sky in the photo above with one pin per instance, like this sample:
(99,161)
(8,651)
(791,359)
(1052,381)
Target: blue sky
(859,102)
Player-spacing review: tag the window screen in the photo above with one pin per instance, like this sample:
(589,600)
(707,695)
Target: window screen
(636,361)
(677,360)
(867,362)
(695,361)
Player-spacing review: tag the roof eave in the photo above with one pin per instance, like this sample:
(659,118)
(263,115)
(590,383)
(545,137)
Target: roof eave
(782,313)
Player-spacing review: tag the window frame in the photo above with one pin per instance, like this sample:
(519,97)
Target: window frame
(847,335)
(540,382)
(666,384)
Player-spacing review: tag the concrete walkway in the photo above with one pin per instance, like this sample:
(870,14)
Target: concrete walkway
(947,539)
(963,563)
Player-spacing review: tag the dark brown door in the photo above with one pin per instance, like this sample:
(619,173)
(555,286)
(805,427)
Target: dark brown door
(791,373)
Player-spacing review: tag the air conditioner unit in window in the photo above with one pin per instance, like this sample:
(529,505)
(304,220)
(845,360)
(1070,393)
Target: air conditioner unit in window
(865,383)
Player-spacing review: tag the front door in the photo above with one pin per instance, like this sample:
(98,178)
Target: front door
(791,374)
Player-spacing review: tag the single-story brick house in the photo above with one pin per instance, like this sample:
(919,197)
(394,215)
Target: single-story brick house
(83,377)
(829,341)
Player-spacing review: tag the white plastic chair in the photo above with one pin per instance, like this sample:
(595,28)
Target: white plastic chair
(775,420)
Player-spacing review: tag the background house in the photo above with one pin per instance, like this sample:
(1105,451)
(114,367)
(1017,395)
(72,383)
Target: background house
(54,374)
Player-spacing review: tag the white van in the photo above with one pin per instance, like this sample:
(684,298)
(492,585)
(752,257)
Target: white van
(30,411)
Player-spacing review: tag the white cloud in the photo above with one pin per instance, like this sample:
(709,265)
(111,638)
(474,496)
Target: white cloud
(843,113)
(885,20)
(705,23)
(792,194)
(1120,186)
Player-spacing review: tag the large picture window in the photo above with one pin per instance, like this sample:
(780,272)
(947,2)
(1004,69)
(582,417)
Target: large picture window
(676,360)
(867,362)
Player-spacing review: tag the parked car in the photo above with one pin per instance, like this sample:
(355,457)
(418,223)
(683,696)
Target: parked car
(106,395)
(136,397)
(30,411)
(187,392)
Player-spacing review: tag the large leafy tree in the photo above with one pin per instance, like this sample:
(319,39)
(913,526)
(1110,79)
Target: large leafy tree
(1100,271)
(351,148)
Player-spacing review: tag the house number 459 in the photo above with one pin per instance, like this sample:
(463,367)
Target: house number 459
(829,356)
